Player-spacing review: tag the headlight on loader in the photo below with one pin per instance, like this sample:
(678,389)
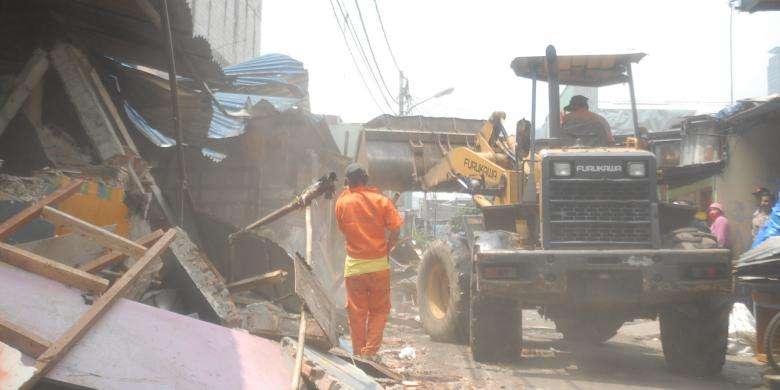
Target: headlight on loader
(561,169)
(637,169)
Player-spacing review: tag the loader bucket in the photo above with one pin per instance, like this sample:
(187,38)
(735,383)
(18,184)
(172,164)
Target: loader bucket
(396,160)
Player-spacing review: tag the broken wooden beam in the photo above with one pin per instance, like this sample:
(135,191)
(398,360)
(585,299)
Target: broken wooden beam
(22,339)
(102,236)
(115,257)
(51,269)
(30,76)
(266,279)
(59,348)
(201,281)
(86,100)
(9,226)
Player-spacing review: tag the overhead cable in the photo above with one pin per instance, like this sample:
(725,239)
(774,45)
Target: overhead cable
(359,46)
(384,32)
(371,50)
(354,61)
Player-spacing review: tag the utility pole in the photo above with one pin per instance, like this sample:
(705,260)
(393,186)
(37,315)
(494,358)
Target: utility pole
(403,94)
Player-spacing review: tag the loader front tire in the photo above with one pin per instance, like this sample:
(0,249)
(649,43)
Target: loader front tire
(443,290)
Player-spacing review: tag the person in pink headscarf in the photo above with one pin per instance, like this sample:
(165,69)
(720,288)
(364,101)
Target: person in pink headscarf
(719,225)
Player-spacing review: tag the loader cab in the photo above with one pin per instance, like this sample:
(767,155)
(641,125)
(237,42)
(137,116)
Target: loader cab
(588,194)
(575,70)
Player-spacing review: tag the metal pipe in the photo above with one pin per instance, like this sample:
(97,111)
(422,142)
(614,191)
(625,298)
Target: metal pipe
(554,98)
(174,86)
(532,136)
(633,101)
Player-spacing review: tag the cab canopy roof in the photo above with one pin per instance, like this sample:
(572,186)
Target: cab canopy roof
(585,70)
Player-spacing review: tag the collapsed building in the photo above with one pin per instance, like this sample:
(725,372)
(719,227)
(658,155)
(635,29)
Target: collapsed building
(85,105)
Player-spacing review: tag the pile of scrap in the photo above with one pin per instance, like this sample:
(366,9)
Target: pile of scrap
(761,261)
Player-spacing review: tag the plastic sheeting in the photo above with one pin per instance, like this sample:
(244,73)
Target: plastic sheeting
(771,227)
(742,330)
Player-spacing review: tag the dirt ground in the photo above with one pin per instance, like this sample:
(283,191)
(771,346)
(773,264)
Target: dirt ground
(632,359)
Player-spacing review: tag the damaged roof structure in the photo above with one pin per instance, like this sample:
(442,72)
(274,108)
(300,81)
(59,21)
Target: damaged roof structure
(723,156)
(85,106)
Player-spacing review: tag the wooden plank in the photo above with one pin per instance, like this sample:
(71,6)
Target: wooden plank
(10,225)
(28,78)
(57,351)
(107,102)
(29,343)
(51,269)
(268,278)
(98,234)
(114,257)
(136,346)
(317,299)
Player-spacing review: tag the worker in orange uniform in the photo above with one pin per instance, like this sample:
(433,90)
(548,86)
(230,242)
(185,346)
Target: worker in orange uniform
(365,216)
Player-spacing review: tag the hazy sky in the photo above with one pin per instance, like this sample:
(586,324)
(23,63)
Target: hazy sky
(468,45)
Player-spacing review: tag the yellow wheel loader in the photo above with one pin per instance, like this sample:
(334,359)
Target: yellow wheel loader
(576,232)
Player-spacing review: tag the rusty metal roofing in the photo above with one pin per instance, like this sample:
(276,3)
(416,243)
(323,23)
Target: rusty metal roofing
(585,70)
(125,30)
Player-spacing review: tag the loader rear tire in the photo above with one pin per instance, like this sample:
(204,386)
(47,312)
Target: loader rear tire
(694,337)
(496,329)
(443,290)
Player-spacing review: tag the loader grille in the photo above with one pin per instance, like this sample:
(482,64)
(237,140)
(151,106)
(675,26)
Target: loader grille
(611,210)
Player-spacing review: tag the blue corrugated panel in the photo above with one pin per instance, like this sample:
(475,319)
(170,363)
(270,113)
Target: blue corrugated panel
(270,74)
(160,139)
(225,126)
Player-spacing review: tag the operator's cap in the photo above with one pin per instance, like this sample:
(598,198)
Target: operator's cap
(576,101)
(355,171)
(761,191)
(716,206)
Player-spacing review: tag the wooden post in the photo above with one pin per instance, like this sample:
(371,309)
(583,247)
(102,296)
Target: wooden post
(30,76)
(302,330)
(59,348)
(296,382)
(266,279)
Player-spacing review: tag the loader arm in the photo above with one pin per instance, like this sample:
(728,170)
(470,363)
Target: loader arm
(477,163)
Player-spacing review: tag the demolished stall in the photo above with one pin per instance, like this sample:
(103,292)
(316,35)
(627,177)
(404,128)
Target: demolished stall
(84,105)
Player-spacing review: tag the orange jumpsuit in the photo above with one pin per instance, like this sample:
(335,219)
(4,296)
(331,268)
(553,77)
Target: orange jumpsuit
(363,215)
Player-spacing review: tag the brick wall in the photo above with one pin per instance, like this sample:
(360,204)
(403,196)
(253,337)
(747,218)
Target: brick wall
(232,27)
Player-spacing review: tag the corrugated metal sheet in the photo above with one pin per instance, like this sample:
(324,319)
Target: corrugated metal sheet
(271,83)
(227,126)
(750,110)
(160,139)
(270,75)
(263,86)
